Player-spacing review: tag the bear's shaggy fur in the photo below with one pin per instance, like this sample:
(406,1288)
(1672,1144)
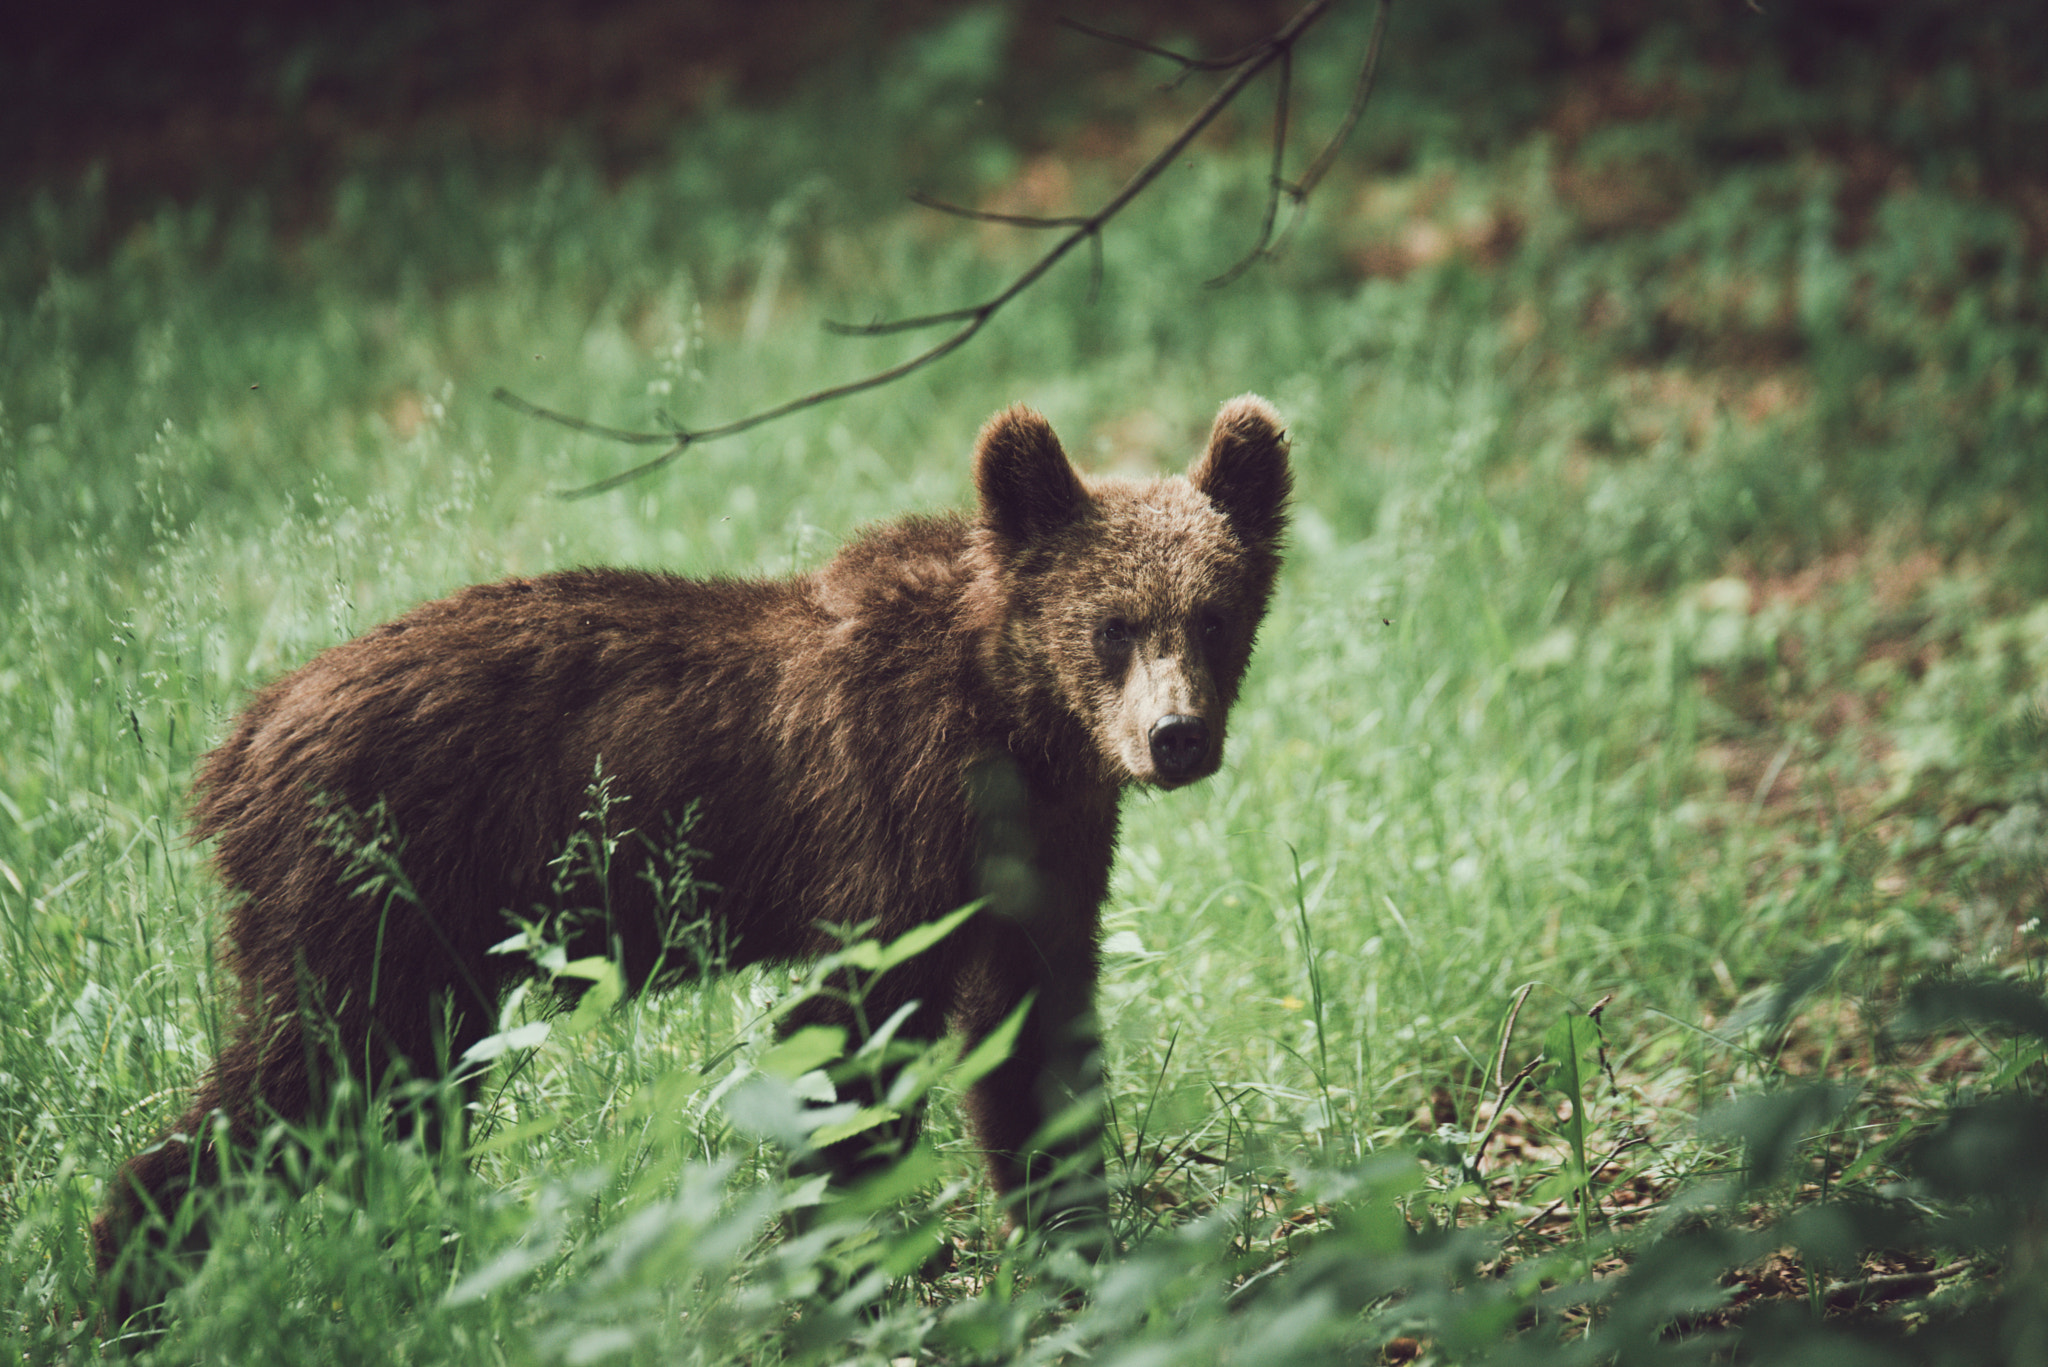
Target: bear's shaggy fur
(950,709)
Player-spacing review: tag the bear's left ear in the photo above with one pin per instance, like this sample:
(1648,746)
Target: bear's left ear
(1244,472)
(1028,488)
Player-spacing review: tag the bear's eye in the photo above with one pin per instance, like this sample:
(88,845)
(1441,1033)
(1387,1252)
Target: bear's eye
(1114,641)
(1209,622)
(1114,635)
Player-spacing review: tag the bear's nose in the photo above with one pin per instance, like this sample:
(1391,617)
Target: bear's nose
(1179,744)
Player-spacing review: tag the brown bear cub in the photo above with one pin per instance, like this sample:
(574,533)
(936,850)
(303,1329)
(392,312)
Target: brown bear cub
(949,710)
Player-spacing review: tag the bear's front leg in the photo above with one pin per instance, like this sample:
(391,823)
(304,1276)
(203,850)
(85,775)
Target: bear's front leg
(1038,1114)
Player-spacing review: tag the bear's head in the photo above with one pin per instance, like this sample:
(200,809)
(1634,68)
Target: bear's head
(1131,605)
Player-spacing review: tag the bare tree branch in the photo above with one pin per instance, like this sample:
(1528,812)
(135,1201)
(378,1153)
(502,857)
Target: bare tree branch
(1243,68)
(1883,1282)
(1284,91)
(882,328)
(1298,191)
(924,200)
(575,424)
(1187,63)
(1361,92)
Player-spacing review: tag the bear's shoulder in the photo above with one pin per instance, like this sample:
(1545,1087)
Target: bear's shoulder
(914,565)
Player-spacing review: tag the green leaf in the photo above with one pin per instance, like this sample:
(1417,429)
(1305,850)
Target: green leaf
(891,1184)
(917,940)
(1125,942)
(528,1036)
(1566,1181)
(512,944)
(880,958)
(607,987)
(509,1266)
(2005,1006)
(812,1047)
(861,1121)
(1573,1044)
(1369,1218)
(993,1049)
(1771,1125)
(1773,1010)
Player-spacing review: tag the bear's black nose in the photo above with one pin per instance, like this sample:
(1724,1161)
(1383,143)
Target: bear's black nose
(1179,745)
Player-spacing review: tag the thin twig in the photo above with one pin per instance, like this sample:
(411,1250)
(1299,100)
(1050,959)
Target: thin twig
(1508,1091)
(1600,1042)
(971,319)
(1190,63)
(923,200)
(1507,1035)
(1508,1088)
(1275,182)
(1274,49)
(882,328)
(1632,1142)
(574,424)
(1361,93)
(1894,1281)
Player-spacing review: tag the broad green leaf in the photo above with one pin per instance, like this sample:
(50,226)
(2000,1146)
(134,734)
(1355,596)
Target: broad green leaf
(814,1046)
(861,1121)
(993,1049)
(528,1036)
(607,986)
(917,940)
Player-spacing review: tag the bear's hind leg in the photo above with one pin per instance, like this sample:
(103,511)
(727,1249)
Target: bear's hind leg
(156,1226)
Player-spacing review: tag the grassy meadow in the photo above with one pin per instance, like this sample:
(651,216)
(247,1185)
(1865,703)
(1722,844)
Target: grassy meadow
(1615,932)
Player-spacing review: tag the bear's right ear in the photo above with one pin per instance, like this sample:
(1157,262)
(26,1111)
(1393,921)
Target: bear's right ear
(1244,472)
(1028,488)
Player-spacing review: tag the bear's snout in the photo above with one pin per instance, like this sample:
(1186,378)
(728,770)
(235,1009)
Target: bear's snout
(1180,746)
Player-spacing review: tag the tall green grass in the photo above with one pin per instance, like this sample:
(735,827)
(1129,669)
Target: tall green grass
(1661,621)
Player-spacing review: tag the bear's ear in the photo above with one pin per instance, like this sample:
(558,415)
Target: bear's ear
(1028,489)
(1244,472)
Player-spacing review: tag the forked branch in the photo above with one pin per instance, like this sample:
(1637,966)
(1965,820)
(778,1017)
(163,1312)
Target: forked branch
(1243,67)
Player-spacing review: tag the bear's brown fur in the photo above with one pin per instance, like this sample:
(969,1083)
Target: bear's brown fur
(949,709)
